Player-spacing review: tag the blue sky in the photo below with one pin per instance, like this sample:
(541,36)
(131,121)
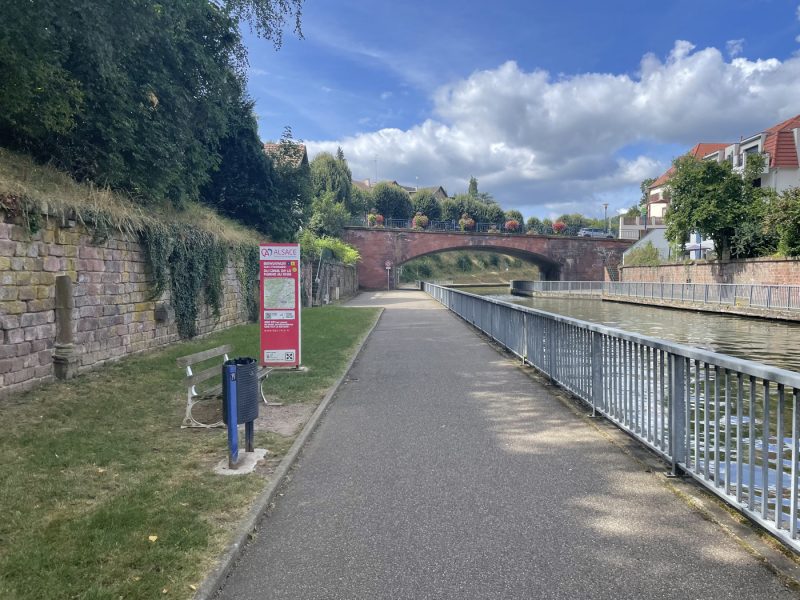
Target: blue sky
(554,107)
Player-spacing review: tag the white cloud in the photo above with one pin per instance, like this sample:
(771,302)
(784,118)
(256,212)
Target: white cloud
(734,47)
(535,140)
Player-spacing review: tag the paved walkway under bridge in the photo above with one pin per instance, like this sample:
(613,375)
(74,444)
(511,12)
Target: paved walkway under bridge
(442,470)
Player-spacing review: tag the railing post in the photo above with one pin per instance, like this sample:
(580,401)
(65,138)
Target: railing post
(769,296)
(677,411)
(597,372)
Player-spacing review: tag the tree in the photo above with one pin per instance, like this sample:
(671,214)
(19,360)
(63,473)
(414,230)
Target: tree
(533,224)
(425,202)
(783,221)
(573,223)
(450,209)
(645,187)
(292,182)
(243,187)
(329,216)
(472,190)
(331,174)
(134,95)
(710,198)
(643,256)
(360,201)
(392,201)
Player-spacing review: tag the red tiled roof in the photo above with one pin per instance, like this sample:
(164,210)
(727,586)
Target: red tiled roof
(779,144)
(698,151)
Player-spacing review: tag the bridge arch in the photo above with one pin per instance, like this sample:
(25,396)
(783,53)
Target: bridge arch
(559,257)
(548,268)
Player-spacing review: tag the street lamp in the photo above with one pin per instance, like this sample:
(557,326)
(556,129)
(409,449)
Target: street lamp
(605,214)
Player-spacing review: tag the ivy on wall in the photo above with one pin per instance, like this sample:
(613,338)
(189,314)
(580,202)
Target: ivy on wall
(191,262)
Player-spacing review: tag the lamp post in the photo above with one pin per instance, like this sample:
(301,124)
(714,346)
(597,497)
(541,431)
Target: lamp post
(605,214)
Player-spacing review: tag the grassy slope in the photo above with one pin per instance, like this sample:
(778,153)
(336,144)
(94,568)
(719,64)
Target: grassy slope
(93,467)
(469,267)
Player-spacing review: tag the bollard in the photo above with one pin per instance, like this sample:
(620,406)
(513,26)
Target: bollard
(64,359)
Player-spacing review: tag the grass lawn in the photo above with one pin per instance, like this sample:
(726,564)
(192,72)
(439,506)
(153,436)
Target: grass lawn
(102,495)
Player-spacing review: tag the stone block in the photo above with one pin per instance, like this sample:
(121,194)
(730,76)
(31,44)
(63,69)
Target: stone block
(14,307)
(39,345)
(55,250)
(9,321)
(7,278)
(8,292)
(46,306)
(32,319)
(52,264)
(43,370)
(43,278)
(19,376)
(25,292)
(44,331)
(44,291)
(7,248)
(5,263)
(90,311)
(9,364)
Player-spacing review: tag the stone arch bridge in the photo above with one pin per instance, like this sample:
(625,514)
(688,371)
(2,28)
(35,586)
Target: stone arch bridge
(558,257)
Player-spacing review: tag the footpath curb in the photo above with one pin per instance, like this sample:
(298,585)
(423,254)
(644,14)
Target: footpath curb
(216,578)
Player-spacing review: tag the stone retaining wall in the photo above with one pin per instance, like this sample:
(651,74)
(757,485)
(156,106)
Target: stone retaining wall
(756,270)
(111,286)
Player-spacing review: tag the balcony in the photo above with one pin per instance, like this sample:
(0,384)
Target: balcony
(634,228)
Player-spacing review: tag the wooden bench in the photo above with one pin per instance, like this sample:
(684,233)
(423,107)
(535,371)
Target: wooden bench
(193,380)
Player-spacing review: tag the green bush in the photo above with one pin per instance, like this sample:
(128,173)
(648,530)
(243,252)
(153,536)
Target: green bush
(643,256)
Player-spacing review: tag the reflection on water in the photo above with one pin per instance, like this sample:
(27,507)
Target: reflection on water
(771,342)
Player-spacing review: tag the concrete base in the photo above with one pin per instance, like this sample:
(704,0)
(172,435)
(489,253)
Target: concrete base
(247,463)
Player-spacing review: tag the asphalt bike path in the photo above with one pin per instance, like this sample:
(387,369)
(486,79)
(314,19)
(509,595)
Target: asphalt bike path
(442,471)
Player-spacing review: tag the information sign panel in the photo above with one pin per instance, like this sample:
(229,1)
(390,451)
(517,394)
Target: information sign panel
(280,305)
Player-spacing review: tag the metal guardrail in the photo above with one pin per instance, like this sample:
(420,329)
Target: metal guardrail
(594,288)
(733,425)
(751,295)
(775,297)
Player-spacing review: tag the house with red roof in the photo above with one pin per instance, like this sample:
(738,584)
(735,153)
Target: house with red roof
(658,192)
(780,146)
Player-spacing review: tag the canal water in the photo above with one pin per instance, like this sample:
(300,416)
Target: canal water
(771,342)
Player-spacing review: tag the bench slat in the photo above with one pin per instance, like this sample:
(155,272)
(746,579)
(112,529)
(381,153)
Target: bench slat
(216,371)
(185,361)
(202,376)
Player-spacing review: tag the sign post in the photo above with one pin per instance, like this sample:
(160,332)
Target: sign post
(280,305)
(388,265)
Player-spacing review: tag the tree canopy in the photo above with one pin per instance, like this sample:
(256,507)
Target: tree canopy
(712,199)
(146,97)
(331,174)
(391,201)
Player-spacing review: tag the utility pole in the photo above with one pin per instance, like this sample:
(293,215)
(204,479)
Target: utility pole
(605,214)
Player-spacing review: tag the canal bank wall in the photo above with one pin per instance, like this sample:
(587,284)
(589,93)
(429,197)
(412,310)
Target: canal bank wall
(782,315)
(770,271)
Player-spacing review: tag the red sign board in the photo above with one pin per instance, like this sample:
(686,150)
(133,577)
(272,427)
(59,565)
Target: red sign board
(280,305)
